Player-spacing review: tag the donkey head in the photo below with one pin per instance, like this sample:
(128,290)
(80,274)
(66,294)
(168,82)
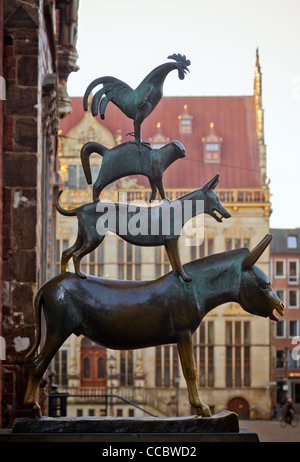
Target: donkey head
(256,293)
(212,204)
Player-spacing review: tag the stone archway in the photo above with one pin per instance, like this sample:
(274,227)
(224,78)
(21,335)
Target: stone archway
(240,406)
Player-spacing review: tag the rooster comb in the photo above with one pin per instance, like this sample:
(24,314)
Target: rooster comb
(180,58)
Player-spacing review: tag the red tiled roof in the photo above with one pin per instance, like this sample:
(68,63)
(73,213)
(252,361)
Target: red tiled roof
(234,121)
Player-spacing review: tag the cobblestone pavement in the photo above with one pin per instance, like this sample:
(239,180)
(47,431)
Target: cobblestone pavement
(270,431)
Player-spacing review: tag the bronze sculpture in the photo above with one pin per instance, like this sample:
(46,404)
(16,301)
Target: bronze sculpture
(139,103)
(127,161)
(91,231)
(137,314)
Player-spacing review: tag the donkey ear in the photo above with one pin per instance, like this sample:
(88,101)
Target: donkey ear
(212,183)
(254,255)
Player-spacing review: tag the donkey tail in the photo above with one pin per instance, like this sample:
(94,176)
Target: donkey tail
(86,150)
(60,209)
(38,303)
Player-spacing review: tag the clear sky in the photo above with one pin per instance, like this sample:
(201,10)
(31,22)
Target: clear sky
(128,38)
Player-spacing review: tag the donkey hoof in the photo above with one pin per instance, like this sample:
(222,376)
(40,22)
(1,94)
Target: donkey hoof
(36,411)
(205,411)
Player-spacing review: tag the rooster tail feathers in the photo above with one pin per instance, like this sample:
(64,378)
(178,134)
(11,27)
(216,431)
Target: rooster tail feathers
(95,83)
(88,91)
(96,101)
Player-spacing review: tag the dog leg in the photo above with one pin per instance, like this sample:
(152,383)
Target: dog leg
(173,253)
(67,254)
(87,247)
(185,349)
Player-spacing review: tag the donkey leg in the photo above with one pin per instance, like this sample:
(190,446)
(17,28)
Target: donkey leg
(173,253)
(185,348)
(67,254)
(38,368)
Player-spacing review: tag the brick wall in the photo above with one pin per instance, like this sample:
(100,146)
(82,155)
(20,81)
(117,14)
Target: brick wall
(19,205)
(30,121)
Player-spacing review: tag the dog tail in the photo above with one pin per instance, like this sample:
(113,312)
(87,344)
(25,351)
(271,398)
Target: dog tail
(60,209)
(86,150)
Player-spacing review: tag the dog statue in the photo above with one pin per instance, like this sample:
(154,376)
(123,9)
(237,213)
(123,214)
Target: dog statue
(92,226)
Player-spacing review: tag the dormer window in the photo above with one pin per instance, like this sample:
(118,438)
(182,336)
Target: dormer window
(185,121)
(159,139)
(212,146)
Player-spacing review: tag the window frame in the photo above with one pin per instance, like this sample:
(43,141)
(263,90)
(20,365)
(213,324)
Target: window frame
(293,282)
(288,300)
(289,328)
(276,276)
(283,323)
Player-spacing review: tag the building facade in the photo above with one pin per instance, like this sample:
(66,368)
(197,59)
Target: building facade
(38,52)
(285,261)
(222,135)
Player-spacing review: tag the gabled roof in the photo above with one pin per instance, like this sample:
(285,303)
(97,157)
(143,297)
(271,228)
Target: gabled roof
(279,243)
(234,119)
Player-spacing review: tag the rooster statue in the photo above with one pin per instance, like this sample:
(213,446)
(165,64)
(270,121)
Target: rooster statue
(139,103)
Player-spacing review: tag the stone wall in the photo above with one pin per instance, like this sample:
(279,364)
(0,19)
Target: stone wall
(30,121)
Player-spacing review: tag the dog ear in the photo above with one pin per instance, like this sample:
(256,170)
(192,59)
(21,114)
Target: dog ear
(212,183)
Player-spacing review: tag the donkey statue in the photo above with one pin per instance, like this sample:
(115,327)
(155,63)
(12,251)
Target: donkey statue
(136,314)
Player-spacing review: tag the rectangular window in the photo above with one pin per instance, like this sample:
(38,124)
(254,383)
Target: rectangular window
(60,363)
(82,180)
(293,328)
(293,272)
(203,340)
(292,242)
(280,329)
(210,246)
(72,177)
(166,366)
(228,244)
(126,368)
(279,359)
(162,263)
(237,353)
(236,243)
(293,298)
(279,268)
